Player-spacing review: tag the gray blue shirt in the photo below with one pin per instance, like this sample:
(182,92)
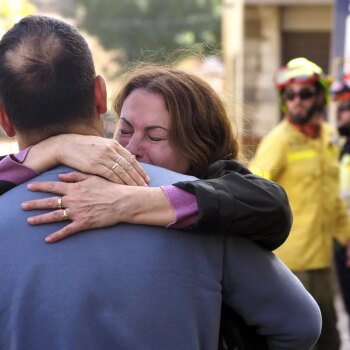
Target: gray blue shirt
(137,287)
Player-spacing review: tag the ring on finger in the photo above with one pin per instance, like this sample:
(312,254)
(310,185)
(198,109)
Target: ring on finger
(59,202)
(118,159)
(65,215)
(115,165)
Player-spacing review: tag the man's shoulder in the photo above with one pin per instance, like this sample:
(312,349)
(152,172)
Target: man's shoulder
(331,136)
(329,127)
(283,128)
(330,130)
(276,135)
(161,176)
(16,195)
(49,175)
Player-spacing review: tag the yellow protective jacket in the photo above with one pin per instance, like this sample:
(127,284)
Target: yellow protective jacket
(308,169)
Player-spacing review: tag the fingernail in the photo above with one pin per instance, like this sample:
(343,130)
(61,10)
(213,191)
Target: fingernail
(24,205)
(148,179)
(48,239)
(30,221)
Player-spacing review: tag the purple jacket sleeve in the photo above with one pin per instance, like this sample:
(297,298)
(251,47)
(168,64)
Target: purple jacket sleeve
(184,205)
(13,171)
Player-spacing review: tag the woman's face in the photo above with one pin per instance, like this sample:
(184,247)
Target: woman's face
(143,130)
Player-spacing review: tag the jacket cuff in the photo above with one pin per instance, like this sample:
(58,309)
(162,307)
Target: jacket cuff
(12,170)
(184,205)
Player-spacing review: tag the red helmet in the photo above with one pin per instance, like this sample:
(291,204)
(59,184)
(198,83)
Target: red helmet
(340,89)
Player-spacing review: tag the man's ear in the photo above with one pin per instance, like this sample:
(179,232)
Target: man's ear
(100,95)
(6,123)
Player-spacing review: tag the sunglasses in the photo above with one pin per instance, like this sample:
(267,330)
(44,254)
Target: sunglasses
(303,94)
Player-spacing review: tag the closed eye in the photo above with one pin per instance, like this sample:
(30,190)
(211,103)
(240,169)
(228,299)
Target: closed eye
(125,132)
(156,139)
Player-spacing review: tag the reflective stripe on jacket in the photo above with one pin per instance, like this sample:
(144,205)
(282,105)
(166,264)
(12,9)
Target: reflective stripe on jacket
(308,169)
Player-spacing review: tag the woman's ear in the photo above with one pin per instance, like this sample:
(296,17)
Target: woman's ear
(100,95)
(6,123)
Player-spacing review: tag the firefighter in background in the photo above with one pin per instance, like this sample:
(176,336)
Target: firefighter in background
(340,91)
(301,154)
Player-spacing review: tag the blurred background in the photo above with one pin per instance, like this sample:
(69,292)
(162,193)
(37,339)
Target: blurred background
(235,45)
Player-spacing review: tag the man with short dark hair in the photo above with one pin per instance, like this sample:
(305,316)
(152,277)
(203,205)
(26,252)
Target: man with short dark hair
(47,73)
(123,287)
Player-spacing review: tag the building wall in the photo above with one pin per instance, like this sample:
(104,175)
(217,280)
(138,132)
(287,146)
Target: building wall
(307,18)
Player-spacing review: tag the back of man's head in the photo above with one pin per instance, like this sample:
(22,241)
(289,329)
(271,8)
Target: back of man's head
(46,76)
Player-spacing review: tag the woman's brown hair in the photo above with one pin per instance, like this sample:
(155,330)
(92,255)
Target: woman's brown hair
(200,129)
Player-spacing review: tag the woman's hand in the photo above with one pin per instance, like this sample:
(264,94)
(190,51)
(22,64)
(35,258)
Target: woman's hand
(87,203)
(92,202)
(90,154)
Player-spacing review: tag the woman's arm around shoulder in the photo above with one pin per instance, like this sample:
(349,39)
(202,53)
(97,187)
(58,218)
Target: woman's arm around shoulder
(233,200)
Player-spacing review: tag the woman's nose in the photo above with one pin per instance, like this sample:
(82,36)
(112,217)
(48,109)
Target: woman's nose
(134,146)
